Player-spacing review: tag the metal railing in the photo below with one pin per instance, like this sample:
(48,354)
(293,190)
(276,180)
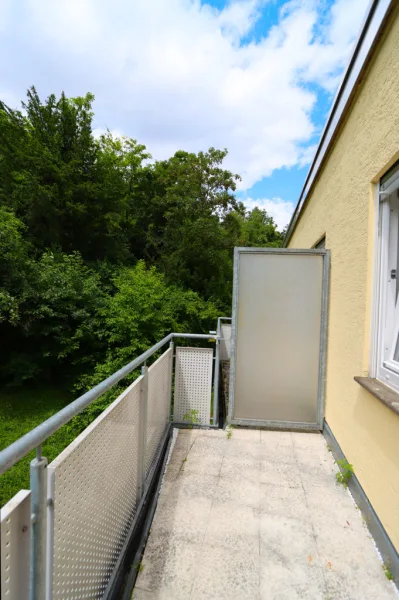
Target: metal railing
(42,498)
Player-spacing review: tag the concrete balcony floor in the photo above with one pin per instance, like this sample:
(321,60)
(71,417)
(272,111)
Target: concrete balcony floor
(258,516)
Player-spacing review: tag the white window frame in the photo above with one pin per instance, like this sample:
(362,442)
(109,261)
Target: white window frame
(386,295)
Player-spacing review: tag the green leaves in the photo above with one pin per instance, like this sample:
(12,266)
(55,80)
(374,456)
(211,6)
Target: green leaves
(59,179)
(14,264)
(259,230)
(345,473)
(103,252)
(143,310)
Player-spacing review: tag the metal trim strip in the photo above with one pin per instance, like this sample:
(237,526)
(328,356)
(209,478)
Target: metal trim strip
(383,542)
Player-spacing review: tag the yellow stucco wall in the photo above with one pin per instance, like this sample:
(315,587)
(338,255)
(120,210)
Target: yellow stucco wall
(341,205)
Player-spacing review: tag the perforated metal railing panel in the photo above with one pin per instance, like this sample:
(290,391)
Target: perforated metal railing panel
(15,545)
(94,486)
(193,383)
(158,411)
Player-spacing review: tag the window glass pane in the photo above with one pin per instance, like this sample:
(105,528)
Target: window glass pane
(390,178)
(393,275)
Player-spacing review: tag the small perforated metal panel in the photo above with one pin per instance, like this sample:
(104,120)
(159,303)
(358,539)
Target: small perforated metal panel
(93,484)
(158,411)
(193,383)
(15,547)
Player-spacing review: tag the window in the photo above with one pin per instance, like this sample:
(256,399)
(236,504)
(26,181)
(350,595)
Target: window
(388,318)
(321,244)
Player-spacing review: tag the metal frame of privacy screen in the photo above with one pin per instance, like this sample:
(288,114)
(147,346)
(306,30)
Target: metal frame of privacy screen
(277,358)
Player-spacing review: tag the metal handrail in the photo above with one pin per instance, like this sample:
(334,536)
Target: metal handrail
(34,438)
(40,576)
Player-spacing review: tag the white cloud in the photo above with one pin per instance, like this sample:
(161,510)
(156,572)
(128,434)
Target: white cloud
(306,155)
(337,39)
(238,18)
(99,131)
(345,24)
(173,74)
(280,210)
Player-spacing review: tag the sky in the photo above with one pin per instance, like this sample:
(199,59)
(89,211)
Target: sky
(257,77)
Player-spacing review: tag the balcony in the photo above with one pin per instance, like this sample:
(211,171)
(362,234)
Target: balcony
(156,498)
(258,515)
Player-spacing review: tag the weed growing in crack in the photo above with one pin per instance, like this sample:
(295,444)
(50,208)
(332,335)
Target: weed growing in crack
(387,571)
(140,568)
(346,472)
(192,417)
(229,431)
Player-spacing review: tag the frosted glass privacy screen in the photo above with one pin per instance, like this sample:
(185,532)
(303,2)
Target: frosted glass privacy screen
(277,327)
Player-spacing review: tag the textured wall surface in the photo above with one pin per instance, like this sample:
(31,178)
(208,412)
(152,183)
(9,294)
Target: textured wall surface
(341,205)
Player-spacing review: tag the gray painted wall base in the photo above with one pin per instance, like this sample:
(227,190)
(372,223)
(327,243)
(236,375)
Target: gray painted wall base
(388,552)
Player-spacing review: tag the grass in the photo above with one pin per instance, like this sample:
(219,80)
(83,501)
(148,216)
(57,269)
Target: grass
(21,410)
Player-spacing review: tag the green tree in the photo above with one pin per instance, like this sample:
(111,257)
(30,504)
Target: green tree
(14,266)
(57,179)
(79,215)
(259,230)
(143,310)
(189,196)
(120,168)
(55,329)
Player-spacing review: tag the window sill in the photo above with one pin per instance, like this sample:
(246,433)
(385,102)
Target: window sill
(382,392)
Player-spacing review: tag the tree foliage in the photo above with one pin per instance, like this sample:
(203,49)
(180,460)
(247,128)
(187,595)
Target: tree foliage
(103,250)
(142,310)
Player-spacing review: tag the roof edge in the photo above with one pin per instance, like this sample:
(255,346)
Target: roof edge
(370,30)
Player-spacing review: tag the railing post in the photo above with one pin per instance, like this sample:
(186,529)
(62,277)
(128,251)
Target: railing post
(172,349)
(143,430)
(38,486)
(216,379)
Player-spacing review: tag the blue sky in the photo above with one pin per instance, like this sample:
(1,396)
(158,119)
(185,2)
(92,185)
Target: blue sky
(254,76)
(287,182)
(284,182)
